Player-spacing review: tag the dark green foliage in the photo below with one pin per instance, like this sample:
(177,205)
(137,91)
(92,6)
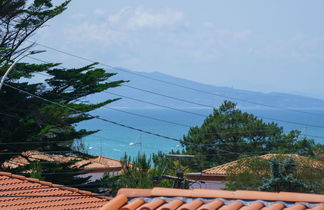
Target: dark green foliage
(58,173)
(48,126)
(26,122)
(229,133)
(141,173)
(279,173)
(284,180)
(19,19)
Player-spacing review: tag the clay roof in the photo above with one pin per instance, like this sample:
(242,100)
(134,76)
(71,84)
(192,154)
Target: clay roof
(222,170)
(19,192)
(94,163)
(201,199)
(98,162)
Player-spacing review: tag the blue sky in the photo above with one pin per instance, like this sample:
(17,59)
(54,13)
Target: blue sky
(268,46)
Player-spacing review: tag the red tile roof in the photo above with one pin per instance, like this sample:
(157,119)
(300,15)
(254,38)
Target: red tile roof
(19,192)
(200,199)
(98,163)
(221,170)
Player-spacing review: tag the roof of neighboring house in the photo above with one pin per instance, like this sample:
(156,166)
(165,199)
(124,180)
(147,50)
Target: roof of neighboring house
(19,192)
(169,199)
(98,162)
(221,170)
(25,158)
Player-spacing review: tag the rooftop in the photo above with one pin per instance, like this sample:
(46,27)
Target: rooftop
(96,163)
(222,170)
(19,192)
(200,199)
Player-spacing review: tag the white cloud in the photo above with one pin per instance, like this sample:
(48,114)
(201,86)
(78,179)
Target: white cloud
(136,18)
(121,26)
(140,18)
(99,12)
(298,46)
(136,33)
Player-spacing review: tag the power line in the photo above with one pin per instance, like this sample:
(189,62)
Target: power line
(148,117)
(167,96)
(230,152)
(48,196)
(159,105)
(268,118)
(97,117)
(175,84)
(85,185)
(184,100)
(8,115)
(53,152)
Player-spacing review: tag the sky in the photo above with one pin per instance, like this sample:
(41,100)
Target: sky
(266,46)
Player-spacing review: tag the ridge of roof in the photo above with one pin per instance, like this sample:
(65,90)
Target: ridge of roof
(206,193)
(201,199)
(50,184)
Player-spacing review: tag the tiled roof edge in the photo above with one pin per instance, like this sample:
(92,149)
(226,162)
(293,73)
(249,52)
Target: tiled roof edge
(50,184)
(240,194)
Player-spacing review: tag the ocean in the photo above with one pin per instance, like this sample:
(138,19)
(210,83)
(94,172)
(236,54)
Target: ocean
(113,140)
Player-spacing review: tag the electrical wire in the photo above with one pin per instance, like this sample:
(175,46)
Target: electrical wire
(172,83)
(167,96)
(52,152)
(100,183)
(97,117)
(194,113)
(320,169)
(154,104)
(148,117)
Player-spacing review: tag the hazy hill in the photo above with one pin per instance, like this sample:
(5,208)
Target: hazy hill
(271,99)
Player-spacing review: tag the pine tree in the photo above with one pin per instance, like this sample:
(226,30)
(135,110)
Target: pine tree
(26,122)
(229,133)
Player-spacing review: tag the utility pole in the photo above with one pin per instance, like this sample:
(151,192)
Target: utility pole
(178,180)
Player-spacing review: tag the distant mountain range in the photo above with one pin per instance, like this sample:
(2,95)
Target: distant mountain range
(241,97)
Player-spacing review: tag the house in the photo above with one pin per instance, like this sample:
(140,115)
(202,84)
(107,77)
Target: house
(19,192)
(202,199)
(215,177)
(95,167)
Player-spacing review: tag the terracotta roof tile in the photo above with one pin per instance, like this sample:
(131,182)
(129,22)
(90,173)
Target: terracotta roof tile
(318,208)
(118,202)
(173,205)
(253,206)
(133,205)
(19,192)
(222,170)
(297,207)
(180,199)
(232,206)
(192,205)
(154,204)
(212,205)
(131,192)
(94,163)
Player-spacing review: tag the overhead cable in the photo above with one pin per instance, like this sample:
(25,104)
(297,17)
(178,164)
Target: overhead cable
(97,117)
(174,84)
(194,113)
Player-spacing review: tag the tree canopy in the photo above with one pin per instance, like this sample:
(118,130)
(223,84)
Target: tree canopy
(19,19)
(282,172)
(27,122)
(229,133)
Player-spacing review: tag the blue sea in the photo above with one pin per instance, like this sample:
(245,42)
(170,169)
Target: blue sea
(113,140)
